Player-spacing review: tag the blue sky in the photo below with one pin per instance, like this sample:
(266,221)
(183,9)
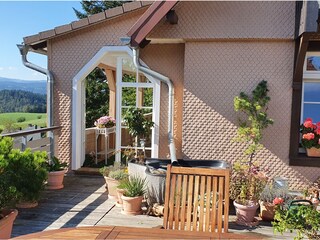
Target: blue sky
(23,18)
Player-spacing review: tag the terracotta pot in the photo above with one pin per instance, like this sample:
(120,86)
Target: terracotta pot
(112,187)
(313,152)
(246,214)
(120,194)
(55,179)
(6,223)
(267,211)
(131,205)
(27,204)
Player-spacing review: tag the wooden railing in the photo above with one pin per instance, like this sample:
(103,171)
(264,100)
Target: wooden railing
(22,142)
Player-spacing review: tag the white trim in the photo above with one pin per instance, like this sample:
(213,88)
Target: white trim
(118,108)
(78,104)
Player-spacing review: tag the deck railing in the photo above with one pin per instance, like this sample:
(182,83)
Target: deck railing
(22,140)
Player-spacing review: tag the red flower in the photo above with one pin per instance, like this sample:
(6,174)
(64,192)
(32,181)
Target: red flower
(318,124)
(278,201)
(308,136)
(308,123)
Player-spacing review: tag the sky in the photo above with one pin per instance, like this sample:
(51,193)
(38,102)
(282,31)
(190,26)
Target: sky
(23,18)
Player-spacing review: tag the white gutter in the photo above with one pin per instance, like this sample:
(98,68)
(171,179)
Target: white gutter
(167,81)
(24,49)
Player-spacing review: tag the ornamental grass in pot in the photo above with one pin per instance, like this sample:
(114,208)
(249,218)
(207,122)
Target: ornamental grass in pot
(134,189)
(248,179)
(310,137)
(113,175)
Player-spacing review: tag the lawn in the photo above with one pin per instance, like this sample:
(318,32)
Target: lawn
(31,118)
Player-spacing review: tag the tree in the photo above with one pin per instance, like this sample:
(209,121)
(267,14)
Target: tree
(93,7)
(97,96)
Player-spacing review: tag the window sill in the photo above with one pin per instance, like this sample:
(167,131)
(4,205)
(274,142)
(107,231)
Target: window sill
(304,161)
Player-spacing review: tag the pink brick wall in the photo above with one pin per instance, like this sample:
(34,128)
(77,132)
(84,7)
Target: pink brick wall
(215,73)
(205,20)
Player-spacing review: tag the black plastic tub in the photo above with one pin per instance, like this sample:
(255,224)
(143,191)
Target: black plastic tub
(162,163)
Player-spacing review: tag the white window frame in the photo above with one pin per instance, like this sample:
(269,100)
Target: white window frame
(78,105)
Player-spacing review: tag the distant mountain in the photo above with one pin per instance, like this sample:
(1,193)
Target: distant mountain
(16,84)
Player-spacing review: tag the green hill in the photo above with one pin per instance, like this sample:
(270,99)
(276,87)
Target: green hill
(8,120)
(22,101)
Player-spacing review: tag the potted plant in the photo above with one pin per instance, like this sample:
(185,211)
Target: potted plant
(139,127)
(29,175)
(269,197)
(56,170)
(300,216)
(105,122)
(310,137)
(248,179)
(134,189)
(8,192)
(113,175)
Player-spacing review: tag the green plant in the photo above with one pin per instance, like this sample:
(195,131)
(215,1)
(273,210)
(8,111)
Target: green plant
(56,165)
(21,119)
(269,193)
(25,171)
(310,134)
(115,172)
(138,124)
(302,218)
(134,186)
(248,180)
(9,194)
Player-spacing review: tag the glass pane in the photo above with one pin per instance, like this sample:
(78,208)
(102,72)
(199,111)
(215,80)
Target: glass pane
(127,65)
(312,92)
(128,96)
(311,111)
(145,96)
(313,63)
(128,77)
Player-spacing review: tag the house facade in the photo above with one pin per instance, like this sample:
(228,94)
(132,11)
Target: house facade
(213,52)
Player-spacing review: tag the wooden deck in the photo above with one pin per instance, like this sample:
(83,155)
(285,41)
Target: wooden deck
(113,232)
(84,203)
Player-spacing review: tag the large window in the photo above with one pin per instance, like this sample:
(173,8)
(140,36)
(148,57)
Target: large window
(311,87)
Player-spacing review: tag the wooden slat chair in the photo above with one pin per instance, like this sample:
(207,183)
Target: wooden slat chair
(197,199)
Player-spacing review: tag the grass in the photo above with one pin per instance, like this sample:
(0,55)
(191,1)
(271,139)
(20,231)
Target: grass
(31,118)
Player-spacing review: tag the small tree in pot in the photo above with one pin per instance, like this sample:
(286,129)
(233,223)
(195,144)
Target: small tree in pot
(139,126)
(248,179)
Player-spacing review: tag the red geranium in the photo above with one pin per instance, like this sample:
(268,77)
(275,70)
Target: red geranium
(278,201)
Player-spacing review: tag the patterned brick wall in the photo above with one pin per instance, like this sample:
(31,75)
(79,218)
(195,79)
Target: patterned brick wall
(168,59)
(215,73)
(69,53)
(227,19)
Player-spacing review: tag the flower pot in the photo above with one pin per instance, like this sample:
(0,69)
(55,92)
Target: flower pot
(112,187)
(267,211)
(313,152)
(131,205)
(6,223)
(55,179)
(25,204)
(246,214)
(120,194)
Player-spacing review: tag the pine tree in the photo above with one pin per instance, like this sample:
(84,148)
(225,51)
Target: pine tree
(93,7)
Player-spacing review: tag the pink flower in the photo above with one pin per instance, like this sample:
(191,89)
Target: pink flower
(308,136)
(318,124)
(317,131)
(278,201)
(319,142)
(308,123)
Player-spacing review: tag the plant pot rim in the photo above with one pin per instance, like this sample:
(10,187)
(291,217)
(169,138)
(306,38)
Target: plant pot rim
(124,197)
(239,205)
(57,172)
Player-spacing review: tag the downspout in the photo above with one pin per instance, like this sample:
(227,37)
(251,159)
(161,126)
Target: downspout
(24,49)
(167,81)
